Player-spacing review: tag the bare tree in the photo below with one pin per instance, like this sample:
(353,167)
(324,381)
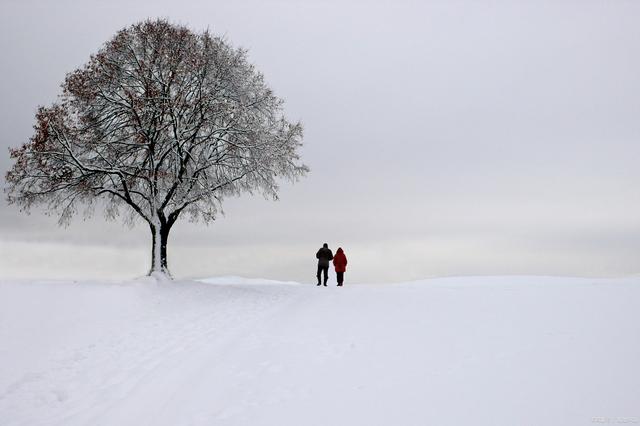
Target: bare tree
(159,123)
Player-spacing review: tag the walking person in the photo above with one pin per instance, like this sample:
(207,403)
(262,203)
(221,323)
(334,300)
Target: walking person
(324,255)
(340,263)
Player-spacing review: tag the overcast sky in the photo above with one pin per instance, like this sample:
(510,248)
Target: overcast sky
(444,138)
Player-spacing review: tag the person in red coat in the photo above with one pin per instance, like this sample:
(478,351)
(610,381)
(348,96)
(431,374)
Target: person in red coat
(340,263)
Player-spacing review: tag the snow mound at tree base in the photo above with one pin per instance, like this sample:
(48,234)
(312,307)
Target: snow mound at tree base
(230,351)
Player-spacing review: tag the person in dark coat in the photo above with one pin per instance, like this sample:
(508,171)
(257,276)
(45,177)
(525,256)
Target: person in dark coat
(324,255)
(340,263)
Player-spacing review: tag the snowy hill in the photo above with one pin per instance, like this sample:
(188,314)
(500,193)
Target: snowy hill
(230,351)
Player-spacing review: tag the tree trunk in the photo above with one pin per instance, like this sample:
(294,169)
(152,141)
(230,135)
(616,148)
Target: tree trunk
(159,238)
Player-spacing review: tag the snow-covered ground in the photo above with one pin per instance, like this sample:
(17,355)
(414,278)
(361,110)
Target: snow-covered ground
(229,351)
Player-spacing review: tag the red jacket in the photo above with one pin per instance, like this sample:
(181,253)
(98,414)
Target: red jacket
(340,261)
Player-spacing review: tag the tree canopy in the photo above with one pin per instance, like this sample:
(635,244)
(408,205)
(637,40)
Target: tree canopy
(159,123)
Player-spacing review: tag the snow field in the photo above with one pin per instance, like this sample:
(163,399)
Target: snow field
(230,351)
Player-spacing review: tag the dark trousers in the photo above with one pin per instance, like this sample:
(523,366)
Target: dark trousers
(340,277)
(324,269)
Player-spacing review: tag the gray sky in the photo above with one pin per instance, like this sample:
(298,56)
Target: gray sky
(444,138)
